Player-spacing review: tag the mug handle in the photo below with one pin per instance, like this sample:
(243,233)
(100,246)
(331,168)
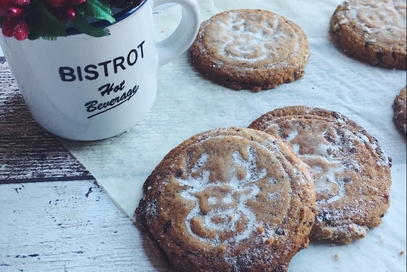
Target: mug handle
(183,36)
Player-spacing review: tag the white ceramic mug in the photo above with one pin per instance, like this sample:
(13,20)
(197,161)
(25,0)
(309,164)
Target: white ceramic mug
(84,88)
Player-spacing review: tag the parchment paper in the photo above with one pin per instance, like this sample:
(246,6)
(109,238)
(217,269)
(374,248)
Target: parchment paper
(188,104)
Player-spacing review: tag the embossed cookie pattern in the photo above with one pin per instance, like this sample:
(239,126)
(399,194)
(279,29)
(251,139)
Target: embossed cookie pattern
(353,176)
(253,49)
(227,200)
(372,31)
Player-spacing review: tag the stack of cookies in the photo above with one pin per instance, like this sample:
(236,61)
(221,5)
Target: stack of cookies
(229,199)
(248,199)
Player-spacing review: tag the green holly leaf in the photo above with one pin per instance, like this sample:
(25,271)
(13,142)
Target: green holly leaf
(44,24)
(98,9)
(83,25)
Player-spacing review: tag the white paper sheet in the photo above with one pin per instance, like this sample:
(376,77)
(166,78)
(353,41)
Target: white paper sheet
(188,104)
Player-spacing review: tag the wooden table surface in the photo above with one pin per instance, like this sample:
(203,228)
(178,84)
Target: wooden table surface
(54,216)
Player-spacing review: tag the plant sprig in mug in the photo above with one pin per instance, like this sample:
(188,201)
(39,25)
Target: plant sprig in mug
(49,19)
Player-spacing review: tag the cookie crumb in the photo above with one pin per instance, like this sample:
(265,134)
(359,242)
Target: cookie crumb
(270,241)
(337,257)
(401,253)
(260,229)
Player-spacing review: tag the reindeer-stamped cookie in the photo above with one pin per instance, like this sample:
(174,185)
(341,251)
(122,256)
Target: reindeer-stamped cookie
(250,49)
(228,199)
(353,175)
(373,31)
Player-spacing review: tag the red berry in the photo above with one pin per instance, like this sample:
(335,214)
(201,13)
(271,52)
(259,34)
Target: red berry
(21,30)
(4,5)
(21,3)
(56,3)
(8,28)
(70,13)
(15,12)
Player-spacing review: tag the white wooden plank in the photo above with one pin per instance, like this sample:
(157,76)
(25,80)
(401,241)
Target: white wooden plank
(27,151)
(68,226)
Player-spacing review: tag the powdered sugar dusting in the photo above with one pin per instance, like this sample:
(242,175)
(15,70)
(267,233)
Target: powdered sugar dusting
(384,159)
(292,135)
(151,209)
(256,39)
(352,173)
(321,148)
(379,20)
(227,211)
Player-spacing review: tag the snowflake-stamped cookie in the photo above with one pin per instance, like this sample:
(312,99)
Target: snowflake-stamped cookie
(250,49)
(372,31)
(228,199)
(352,171)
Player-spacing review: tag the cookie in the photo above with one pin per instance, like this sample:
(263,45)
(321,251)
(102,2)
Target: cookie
(352,171)
(399,106)
(372,31)
(250,49)
(228,199)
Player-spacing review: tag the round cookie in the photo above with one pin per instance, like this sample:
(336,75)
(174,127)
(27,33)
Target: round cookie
(228,199)
(399,106)
(353,175)
(372,31)
(250,49)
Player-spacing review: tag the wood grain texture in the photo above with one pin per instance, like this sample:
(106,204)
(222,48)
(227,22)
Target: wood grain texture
(68,226)
(27,152)
(53,215)
(186,104)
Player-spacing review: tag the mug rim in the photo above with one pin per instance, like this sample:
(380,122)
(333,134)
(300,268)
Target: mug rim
(119,16)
